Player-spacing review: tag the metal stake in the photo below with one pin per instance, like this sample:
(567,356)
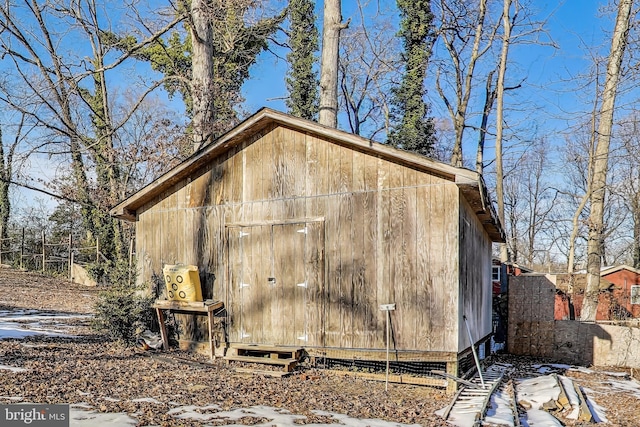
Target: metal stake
(388,308)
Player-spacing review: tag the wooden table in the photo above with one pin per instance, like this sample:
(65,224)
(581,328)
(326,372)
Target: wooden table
(198,307)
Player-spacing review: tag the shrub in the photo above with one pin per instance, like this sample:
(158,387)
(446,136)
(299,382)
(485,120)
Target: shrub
(123,310)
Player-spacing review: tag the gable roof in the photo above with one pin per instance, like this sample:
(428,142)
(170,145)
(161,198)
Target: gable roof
(470,183)
(605,271)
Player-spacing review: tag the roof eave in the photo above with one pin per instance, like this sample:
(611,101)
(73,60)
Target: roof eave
(476,193)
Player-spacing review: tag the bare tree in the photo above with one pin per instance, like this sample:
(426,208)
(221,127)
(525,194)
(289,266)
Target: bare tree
(8,157)
(369,62)
(502,70)
(530,202)
(64,94)
(462,31)
(601,157)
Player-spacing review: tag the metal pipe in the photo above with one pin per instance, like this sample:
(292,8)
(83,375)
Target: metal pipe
(473,350)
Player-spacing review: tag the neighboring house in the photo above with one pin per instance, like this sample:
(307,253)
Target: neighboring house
(619,297)
(500,273)
(624,302)
(304,231)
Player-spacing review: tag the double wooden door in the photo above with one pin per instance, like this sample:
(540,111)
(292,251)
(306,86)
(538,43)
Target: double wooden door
(276,283)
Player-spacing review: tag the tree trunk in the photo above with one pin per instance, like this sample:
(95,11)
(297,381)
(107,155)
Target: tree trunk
(328,114)
(585,198)
(202,73)
(502,69)
(489,97)
(636,231)
(601,158)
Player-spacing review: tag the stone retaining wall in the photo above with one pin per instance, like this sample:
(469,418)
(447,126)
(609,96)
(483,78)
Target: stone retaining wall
(534,332)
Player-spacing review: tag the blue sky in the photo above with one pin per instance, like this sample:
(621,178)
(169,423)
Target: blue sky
(572,25)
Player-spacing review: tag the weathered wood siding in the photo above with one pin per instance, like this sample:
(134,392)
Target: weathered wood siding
(475,297)
(376,232)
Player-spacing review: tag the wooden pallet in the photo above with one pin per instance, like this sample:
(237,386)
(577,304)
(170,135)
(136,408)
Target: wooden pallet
(287,357)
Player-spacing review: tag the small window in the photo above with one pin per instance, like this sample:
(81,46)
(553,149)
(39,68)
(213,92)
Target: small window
(635,294)
(495,274)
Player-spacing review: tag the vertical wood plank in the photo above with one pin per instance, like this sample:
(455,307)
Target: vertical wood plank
(234,300)
(428,309)
(334,168)
(324,165)
(396,252)
(266,164)
(345,279)
(250,286)
(408,292)
(192,235)
(283,273)
(235,166)
(361,307)
(314,273)
(383,249)
(442,290)
(252,179)
(372,298)
(217,182)
(219,251)
(346,169)
(333,321)
(371,168)
(282,159)
(299,164)
(451,215)
(297,236)
(359,166)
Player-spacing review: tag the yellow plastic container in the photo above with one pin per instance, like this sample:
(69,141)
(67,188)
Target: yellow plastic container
(183,282)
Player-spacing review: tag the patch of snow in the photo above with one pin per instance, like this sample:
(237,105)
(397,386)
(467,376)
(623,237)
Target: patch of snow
(83,417)
(12,368)
(12,398)
(19,324)
(539,418)
(191,411)
(631,386)
(147,400)
(274,416)
(345,420)
(462,416)
(582,369)
(82,405)
(499,411)
(551,367)
(597,411)
(537,391)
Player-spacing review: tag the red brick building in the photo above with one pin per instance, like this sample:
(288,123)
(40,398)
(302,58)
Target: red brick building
(619,297)
(625,292)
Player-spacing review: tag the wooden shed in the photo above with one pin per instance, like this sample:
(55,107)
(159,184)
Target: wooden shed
(304,231)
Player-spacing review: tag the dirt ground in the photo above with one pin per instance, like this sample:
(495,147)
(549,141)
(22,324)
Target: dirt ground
(112,378)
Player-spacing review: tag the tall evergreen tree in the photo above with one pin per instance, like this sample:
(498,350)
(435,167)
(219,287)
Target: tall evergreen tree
(302,79)
(234,44)
(412,129)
